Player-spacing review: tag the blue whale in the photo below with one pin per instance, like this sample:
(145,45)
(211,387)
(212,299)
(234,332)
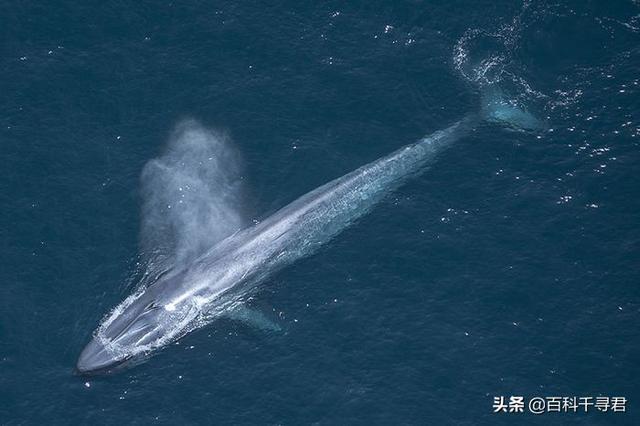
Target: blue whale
(185,299)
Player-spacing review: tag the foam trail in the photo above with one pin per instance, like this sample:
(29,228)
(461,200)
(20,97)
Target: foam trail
(191,195)
(488,60)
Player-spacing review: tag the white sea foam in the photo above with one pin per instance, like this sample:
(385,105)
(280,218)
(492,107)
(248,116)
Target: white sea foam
(488,56)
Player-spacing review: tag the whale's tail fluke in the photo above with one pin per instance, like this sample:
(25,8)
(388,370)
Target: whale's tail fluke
(496,107)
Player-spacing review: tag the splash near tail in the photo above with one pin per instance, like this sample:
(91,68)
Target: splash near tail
(488,60)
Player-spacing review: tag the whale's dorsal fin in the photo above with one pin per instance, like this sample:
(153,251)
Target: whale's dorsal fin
(192,195)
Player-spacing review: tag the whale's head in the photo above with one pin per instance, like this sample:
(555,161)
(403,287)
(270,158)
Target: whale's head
(134,329)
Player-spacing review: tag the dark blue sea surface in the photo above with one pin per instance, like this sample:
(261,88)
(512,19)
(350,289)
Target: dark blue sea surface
(510,267)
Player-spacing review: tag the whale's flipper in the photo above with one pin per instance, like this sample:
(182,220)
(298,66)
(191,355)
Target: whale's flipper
(252,317)
(496,107)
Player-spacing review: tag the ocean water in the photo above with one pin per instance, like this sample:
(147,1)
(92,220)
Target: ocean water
(509,268)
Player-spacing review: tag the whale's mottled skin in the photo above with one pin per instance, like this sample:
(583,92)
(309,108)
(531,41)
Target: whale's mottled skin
(177,302)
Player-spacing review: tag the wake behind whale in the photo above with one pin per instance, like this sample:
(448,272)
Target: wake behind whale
(202,257)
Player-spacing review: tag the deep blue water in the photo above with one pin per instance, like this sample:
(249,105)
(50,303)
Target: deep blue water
(511,267)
